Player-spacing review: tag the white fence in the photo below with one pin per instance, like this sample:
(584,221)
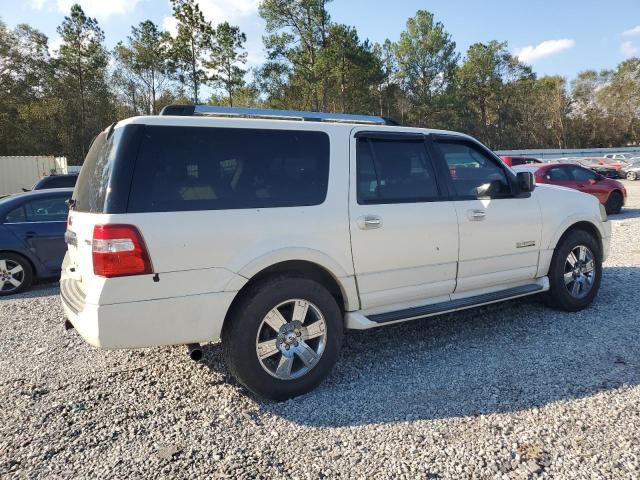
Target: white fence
(17,173)
(557,153)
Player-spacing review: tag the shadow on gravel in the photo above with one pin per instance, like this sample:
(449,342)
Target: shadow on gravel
(626,213)
(500,358)
(38,290)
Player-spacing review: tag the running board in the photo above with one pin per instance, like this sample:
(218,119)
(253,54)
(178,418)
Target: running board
(435,308)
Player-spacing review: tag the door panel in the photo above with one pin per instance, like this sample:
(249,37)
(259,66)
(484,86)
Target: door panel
(500,247)
(499,233)
(405,251)
(40,224)
(44,239)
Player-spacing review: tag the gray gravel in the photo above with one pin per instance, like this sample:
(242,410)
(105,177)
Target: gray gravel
(512,390)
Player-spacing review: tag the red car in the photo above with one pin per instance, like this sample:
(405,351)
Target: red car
(611,193)
(514,161)
(607,162)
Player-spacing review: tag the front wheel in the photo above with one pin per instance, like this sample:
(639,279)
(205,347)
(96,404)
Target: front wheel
(575,272)
(283,337)
(632,176)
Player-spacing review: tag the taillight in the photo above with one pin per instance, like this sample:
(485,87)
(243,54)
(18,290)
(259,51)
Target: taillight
(119,250)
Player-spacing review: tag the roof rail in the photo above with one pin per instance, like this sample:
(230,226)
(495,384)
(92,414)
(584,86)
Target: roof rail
(188,110)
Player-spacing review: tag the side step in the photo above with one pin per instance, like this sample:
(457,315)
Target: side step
(435,308)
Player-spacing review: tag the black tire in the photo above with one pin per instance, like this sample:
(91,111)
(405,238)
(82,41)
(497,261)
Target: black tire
(631,176)
(239,335)
(558,295)
(25,277)
(614,203)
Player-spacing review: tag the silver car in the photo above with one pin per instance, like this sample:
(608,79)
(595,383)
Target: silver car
(631,171)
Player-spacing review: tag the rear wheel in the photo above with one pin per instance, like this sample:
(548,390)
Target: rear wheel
(614,203)
(15,273)
(283,338)
(632,176)
(575,272)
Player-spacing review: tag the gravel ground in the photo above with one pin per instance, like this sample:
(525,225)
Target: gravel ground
(513,390)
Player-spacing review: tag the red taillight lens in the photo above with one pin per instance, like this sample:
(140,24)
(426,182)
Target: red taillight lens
(119,250)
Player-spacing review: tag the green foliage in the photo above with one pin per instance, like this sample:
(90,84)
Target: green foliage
(427,59)
(193,39)
(81,83)
(227,56)
(143,68)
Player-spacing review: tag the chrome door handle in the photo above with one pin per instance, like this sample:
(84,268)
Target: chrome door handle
(368,222)
(476,215)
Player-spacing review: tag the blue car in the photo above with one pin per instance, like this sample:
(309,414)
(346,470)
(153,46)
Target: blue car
(32,246)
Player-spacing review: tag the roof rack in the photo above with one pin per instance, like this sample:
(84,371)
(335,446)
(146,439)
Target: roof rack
(189,110)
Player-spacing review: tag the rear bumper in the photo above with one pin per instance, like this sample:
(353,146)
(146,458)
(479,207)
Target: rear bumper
(167,321)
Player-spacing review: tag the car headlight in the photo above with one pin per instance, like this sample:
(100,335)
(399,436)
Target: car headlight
(603,213)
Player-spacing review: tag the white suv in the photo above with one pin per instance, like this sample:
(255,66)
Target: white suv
(275,231)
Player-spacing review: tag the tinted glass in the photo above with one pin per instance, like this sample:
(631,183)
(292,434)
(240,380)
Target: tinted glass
(15,216)
(394,171)
(523,161)
(52,209)
(56,181)
(93,182)
(191,168)
(559,174)
(474,173)
(582,174)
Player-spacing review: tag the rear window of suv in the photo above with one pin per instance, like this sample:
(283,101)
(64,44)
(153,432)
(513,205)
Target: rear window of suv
(196,168)
(93,182)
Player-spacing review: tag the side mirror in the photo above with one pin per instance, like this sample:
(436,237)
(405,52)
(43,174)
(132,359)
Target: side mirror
(593,181)
(526,182)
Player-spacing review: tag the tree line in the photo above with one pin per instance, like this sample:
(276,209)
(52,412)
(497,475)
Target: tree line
(54,103)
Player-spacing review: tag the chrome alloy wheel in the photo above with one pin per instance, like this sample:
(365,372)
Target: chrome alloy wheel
(291,339)
(11,275)
(579,272)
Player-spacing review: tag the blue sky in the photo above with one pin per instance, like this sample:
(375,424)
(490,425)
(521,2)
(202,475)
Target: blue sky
(557,37)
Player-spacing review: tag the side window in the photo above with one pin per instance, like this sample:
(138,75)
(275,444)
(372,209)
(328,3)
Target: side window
(394,171)
(474,174)
(582,174)
(61,182)
(559,174)
(52,209)
(15,216)
(195,168)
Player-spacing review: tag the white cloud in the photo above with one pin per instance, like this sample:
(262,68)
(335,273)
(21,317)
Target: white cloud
(54,45)
(628,50)
(531,53)
(231,11)
(632,32)
(37,4)
(170,24)
(102,9)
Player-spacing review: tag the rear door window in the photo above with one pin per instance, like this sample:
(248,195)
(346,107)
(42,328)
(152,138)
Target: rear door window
(195,168)
(394,171)
(51,209)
